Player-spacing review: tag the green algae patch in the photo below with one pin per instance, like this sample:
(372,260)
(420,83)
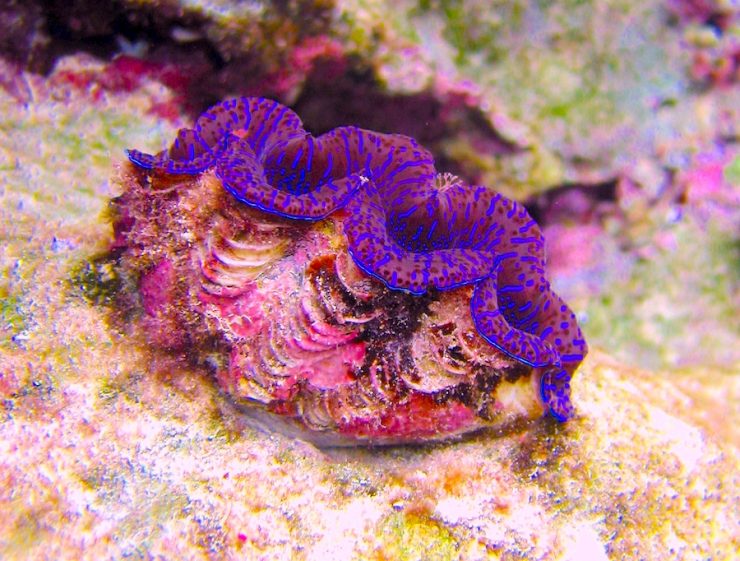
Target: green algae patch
(27,532)
(732,172)
(96,280)
(411,537)
(60,149)
(519,175)
(109,390)
(647,317)
(11,314)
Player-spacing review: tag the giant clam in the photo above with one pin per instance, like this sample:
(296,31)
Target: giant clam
(340,283)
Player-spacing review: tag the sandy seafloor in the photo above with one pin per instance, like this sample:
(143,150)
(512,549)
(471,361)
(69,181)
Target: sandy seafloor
(112,449)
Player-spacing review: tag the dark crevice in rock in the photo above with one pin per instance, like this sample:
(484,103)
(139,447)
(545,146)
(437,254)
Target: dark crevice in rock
(572,202)
(337,91)
(330,100)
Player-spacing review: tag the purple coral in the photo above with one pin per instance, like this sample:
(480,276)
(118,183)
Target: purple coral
(415,230)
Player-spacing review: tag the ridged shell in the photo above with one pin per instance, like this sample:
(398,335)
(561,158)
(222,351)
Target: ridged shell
(294,327)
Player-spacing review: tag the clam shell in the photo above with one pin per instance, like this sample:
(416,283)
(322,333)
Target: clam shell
(301,337)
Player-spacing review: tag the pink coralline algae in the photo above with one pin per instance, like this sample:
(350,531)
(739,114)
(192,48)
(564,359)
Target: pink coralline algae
(341,283)
(711,33)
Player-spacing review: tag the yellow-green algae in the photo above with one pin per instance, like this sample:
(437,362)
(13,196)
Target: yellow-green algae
(731,172)
(677,305)
(410,537)
(528,172)
(11,315)
(96,280)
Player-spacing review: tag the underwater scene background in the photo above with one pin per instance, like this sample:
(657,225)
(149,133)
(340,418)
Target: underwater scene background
(136,421)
